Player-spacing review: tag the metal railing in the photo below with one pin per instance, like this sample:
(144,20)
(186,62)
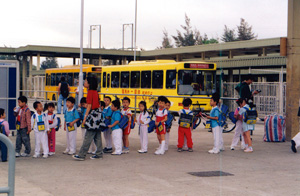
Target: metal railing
(10,189)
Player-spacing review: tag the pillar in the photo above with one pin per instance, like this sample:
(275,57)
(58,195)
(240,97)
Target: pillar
(230,75)
(264,52)
(203,56)
(230,55)
(100,61)
(178,57)
(293,69)
(74,61)
(38,64)
(24,64)
(30,74)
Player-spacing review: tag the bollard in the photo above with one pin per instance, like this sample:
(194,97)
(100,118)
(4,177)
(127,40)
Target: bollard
(10,190)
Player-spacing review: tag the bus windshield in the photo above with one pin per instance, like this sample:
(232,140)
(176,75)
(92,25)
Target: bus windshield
(196,82)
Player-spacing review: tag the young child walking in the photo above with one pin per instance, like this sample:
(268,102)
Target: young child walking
(116,130)
(23,126)
(168,129)
(52,120)
(143,121)
(161,118)
(71,117)
(238,128)
(40,127)
(83,106)
(4,129)
(126,131)
(107,113)
(216,129)
(185,127)
(247,128)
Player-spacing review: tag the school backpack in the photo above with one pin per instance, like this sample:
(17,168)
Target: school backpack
(223,115)
(196,122)
(64,89)
(151,126)
(78,123)
(124,121)
(39,126)
(169,121)
(185,120)
(250,116)
(2,128)
(106,122)
(231,117)
(132,124)
(274,127)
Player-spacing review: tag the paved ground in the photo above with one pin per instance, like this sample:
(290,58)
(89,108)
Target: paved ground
(272,169)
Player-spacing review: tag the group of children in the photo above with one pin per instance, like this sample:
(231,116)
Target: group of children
(44,124)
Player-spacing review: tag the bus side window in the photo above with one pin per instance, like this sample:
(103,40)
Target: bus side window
(104,80)
(70,79)
(125,79)
(76,79)
(58,77)
(158,78)
(108,80)
(146,79)
(135,79)
(53,77)
(171,79)
(115,79)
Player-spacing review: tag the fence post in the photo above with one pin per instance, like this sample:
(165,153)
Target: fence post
(10,190)
(135,104)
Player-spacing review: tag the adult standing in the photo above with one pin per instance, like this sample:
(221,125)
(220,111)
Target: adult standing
(244,89)
(91,120)
(63,93)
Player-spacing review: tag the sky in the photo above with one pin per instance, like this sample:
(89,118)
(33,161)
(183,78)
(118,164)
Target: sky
(57,22)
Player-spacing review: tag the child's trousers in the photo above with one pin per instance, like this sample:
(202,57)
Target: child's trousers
(144,137)
(184,132)
(71,140)
(108,138)
(238,134)
(167,138)
(218,138)
(3,149)
(117,140)
(51,140)
(23,138)
(41,138)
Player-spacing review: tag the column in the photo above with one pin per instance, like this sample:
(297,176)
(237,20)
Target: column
(38,64)
(203,56)
(178,57)
(293,69)
(24,64)
(230,74)
(30,75)
(74,61)
(100,61)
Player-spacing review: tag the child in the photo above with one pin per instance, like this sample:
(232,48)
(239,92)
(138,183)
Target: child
(126,111)
(71,117)
(83,105)
(143,121)
(52,120)
(40,127)
(168,129)
(238,128)
(23,126)
(246,127)
(107,113)
(5,129)
(185,131)
(216,129)
(116,130)
(161,118)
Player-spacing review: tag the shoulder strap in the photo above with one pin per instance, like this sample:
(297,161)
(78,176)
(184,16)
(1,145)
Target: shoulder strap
(53,116)
(190,112)
(183,110)
(164,110)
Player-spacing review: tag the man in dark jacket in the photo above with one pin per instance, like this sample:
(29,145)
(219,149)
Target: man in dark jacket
(244,90)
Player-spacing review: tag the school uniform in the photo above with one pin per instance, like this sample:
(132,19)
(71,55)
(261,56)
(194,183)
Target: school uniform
(161,114)
(107,113)
(246,127)
(70,116)
(6,132)
(238,132)
(52,120)
(40,127)
(217,131)
(117,132)
(128,113)
(143,130)
(187,132)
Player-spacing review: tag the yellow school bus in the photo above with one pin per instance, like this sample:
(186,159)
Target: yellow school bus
(161,77)
(71,74)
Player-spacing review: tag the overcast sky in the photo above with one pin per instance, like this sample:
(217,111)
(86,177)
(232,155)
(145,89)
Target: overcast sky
(57,22)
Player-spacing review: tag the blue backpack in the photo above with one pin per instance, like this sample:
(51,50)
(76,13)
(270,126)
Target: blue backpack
(196,122)
(169,121)
(58,122)
(223,115)
(132,124)
(106,122)
(231,117)
(151,126)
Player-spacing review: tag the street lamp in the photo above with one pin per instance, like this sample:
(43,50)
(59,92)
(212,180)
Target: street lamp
(135,30)
(94,27)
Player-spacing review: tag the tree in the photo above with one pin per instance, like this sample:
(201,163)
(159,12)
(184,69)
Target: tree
(166,43)
(245,31)
(189,37)
(50,62)
(228,35)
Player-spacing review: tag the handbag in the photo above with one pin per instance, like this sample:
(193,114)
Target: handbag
(93,120)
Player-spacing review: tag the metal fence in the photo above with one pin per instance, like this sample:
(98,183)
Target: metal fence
(270,100)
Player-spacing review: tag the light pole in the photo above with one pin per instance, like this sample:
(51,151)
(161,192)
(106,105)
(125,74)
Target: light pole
(93,27)
(135,26)
(123,35)
(80,95)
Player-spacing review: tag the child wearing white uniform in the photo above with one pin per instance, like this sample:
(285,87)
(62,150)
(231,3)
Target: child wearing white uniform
(40,127)
(238,128)
(143,121)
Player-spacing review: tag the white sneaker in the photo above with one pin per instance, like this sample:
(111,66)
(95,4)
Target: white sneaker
(162,151)
(231,148)
(45,156)
(90,152)
(18,154)
(114,153)
(212,151)
(125,151)
(243,147)
(25,155)
(157,152)
(35,156)
(51,153)
(222,149)
(248,150)
(142,151)
(71,153)
(65,152)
